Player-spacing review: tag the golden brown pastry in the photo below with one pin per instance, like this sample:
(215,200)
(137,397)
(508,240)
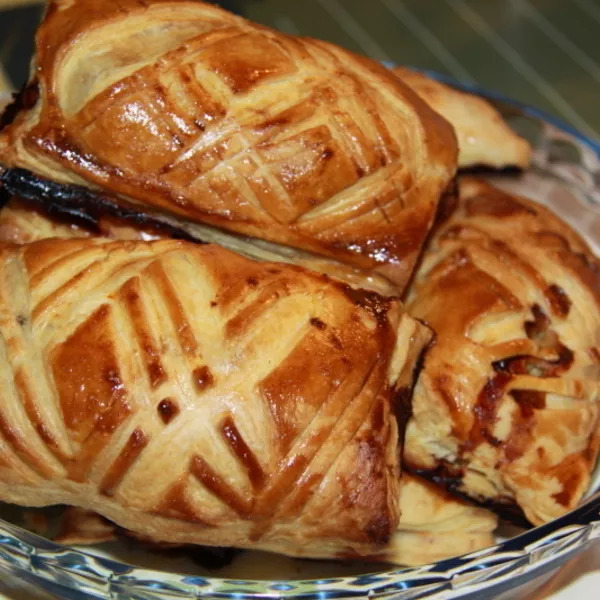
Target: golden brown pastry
(433,524)
(80,527)
(193,396)
(483,136)
(506,408)
(183,111)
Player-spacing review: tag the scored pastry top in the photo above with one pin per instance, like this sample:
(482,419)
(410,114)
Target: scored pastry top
(186,109)
(191,395)
(506,409)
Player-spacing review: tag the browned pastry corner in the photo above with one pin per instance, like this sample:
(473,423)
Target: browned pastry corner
(433,526)
(183,111)
(193,396)
(484,139)
(506,409)
(79,527)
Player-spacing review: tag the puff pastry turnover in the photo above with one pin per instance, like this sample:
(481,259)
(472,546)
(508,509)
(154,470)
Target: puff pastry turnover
(483,136)
(506,408)
(193,396)
(180,110)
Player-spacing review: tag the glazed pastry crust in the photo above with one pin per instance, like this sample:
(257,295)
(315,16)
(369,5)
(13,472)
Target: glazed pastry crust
(484,139)
(193,396)
(181,108)
(433,524)
(506,408)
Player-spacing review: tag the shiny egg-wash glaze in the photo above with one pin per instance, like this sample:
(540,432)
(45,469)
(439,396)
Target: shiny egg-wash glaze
(507,407)
(433,524)
(194,396)
(185,110)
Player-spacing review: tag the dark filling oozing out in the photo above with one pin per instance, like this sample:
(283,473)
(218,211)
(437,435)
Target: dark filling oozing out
(556,360)
(77,204)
